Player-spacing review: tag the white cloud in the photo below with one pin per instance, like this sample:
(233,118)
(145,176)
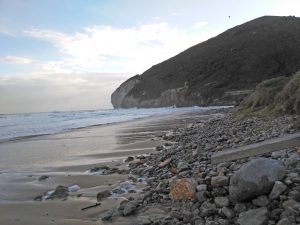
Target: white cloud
(111,49)
(57,91)
(200,24)
(285,8)
(16,60)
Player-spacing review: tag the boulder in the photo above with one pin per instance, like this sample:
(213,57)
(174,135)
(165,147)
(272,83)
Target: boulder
(255,178)
(183,189)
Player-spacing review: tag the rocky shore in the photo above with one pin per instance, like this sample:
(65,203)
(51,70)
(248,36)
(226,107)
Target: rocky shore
(178,184)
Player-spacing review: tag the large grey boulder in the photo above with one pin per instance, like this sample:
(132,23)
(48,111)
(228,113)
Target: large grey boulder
(255,178)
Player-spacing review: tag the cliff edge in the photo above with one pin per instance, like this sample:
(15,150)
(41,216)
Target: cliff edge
(220,71)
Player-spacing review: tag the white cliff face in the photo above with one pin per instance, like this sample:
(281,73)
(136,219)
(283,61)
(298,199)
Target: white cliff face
(118,96)
(169,97)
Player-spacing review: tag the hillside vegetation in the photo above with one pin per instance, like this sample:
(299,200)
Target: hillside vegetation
(279,95)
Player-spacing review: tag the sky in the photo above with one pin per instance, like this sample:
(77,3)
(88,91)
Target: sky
(62,55)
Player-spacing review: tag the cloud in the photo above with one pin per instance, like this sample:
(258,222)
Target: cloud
(16,60)
(200,24)
(113,49)
(57,91)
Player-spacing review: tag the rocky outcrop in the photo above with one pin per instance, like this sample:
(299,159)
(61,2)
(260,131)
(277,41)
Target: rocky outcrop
(118,96)
(220,71)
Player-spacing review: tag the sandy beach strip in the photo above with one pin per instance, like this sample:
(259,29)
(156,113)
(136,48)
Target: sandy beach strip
(66,159)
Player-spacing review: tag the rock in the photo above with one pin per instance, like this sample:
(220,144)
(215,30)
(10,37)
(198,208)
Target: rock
(144,220)
(129,209)
(254,216)
(182,166)
(107,215)
(219,181)
(118,191)
(202,187)
(221,201)
(43,177)
(201,196)
(103,194)
(207,209)
(182,189)
(285,221)
(261,201)
(73,188)
(240,207)
(290,203)
(173,170)
(298,151)
(277,190)
(164,163)
(129,159)
(255,178)
(61,192)
(229,213)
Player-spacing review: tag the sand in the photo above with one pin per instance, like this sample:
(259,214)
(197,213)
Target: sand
(66,159)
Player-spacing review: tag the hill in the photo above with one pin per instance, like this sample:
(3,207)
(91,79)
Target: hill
(220,71)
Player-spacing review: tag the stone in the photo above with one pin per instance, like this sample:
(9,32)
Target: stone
(118,191)
(285,221)
(254,216)
(202,187)
(129,209)
(277,190)
(261,201)
(182,166)
(207,209)
(240,207)
(60,192)
(229,213)
(103,194)
(221,201)
(183,189)
(164,163)
(107,215)
(129,159)
(43,177)
(290,203)
(201,196)
(219,181)
(255,178)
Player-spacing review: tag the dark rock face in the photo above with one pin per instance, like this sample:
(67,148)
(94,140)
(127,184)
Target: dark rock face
(221,70)
(255,178)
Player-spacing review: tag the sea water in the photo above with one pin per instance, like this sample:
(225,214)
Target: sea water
(22,125)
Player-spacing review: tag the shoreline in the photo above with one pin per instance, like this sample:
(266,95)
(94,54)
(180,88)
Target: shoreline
(158,115)
(128,182)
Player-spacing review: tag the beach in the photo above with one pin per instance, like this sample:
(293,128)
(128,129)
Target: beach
(126,173)
(66,158)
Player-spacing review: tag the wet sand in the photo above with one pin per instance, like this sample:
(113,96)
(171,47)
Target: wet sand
(66,158)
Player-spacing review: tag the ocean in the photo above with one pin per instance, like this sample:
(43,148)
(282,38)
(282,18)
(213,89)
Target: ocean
(20,125)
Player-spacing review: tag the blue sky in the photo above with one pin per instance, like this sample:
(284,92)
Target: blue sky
(83,49)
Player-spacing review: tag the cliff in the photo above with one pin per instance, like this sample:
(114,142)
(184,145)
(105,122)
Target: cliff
(220,71)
